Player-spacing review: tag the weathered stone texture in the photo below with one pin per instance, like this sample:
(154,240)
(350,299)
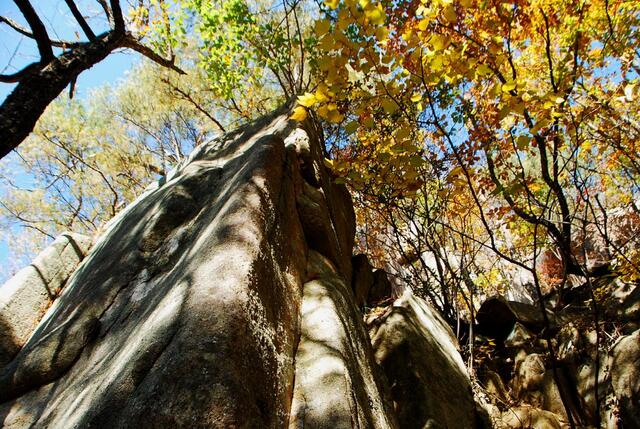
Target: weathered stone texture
(336,382)
(25,297)
(185,313)
(418,353)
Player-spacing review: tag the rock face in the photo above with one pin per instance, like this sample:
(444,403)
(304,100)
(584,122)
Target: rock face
(25,297)
(187,311)
(335,376)
(225,296)
(417,351)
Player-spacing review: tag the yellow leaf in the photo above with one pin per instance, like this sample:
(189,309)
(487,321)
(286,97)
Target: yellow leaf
(509,86)
(351,127)
(307,100)
(375,15)
(450,14)
(368,122)
(335,116)
(382,33)
(483,70)
(322,27)
(403,133)
(439,42)
(466,3)
(344,20)
(333,4)
(416,98)
(328,163)
(535,187)
(522,142)
(423,24)
(299,114)
(322,93)
(389,106)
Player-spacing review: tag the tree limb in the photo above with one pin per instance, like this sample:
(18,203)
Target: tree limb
(81,21)
(116,13)
(38,29)
(64,44)
(19,75)
(131,43)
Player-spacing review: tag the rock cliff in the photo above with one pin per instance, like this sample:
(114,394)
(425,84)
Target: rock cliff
(227,296)
(220,298)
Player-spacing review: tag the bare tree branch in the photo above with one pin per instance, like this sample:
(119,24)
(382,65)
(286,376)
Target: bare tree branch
(38,29)
(64,44)
(107,12)
(116,13)
(131,43)
(19,75)
(81,21)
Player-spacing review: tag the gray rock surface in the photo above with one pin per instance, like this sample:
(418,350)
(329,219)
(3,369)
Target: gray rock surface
(418,353)
(222,298)
(335,375)
(25,297)
(625,376)
(185,314)
(525,417)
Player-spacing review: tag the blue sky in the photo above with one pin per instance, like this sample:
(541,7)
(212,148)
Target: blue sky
(16,51)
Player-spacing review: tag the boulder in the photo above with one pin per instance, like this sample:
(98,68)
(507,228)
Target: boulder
(335,375)
(362,279)
(525,417)
(25,297)
(418,353)
(519,336)
(186,312)
(625,373)
(381,288)
(497,317)
(528,378)
(494,387)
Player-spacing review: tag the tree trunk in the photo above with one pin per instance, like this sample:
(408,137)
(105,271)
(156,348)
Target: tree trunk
(42,84)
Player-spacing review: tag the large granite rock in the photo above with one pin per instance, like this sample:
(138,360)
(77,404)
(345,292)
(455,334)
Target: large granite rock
(25,297)
(222,298)
(336,381)
(497,317)
(417,350)
(186,312)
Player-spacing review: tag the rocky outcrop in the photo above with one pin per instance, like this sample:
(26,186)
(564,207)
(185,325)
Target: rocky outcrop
(220,298)
(598,378)
(224,296)
(192,299)
(417,350)
(25,297)
(497,317)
